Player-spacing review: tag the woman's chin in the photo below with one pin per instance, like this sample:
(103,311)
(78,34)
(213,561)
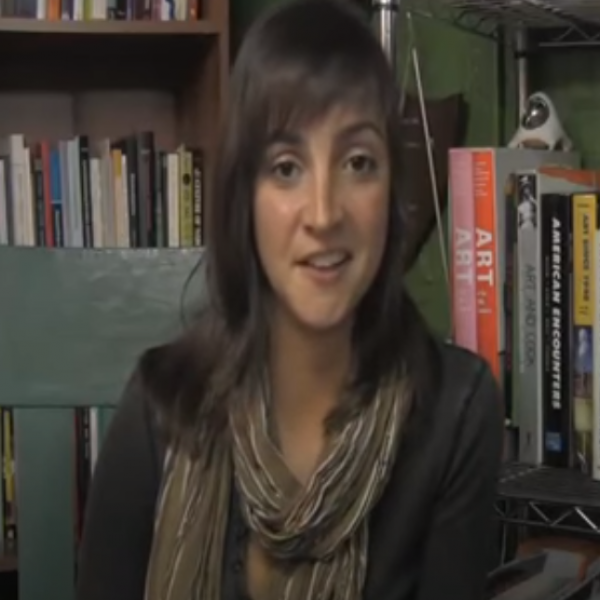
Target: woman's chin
(320,321)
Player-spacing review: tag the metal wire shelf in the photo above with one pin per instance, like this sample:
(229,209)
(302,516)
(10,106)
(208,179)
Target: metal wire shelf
(554,499)
(555,22)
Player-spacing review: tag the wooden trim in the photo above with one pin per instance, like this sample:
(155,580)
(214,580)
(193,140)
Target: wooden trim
(109,27)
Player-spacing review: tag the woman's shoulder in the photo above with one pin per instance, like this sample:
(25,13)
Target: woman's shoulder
(456,429)
(447,378)
(138,418)
(169,387)
(120,507)
(464,375)
(463,400)
(455,374)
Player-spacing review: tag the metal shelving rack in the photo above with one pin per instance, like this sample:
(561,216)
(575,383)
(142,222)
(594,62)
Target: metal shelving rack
(529,25)
(556,499)
(557,23)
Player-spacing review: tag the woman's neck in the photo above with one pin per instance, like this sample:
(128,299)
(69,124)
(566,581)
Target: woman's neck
(308,370)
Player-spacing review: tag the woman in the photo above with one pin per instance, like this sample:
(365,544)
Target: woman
(307,438)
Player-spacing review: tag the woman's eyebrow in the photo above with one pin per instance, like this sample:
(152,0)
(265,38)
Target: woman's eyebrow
(359,127)
(284,137)
(345,133)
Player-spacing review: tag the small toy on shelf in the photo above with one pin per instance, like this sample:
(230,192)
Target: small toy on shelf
(540,127)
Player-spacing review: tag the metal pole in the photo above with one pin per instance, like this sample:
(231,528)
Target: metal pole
(522,69)
(385,17)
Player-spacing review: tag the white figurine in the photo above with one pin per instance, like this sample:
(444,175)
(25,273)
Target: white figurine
(540,126)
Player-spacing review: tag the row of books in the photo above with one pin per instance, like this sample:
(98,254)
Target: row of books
(87,442)
(87,10)
(103,193)
(526,258)
(84,193)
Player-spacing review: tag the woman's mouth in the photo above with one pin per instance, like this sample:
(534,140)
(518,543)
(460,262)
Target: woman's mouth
(326,267)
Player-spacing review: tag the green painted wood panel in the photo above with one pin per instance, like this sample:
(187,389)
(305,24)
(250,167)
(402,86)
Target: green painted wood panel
(44,450)
(73,322)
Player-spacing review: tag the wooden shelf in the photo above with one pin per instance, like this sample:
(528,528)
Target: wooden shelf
(113,77)
(25,43)
(108,27)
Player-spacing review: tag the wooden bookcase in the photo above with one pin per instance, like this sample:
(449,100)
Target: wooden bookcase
(112,78)
(64,349)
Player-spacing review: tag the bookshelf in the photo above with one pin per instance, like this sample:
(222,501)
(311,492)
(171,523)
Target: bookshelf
(552,44)
(79,317)
(112,78)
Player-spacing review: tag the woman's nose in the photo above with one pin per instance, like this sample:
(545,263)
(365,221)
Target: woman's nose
(323,209)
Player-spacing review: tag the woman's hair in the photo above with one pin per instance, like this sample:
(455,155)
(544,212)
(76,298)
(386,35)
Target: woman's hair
(297,62)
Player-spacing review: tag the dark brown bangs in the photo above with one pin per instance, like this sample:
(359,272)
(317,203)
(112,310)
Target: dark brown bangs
(304,59)
(294,98)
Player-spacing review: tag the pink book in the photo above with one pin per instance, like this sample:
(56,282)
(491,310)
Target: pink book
(462,248)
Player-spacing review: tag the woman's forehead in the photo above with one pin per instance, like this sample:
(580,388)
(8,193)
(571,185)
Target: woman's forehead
(337,115)
(339,121)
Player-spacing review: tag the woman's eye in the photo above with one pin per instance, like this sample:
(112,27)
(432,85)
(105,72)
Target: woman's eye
(286,170)
(361,164)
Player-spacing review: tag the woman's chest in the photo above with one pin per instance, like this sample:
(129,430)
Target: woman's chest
(397,530)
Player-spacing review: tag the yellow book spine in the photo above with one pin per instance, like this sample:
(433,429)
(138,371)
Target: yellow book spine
(186,208)
(8,458)
(585,207)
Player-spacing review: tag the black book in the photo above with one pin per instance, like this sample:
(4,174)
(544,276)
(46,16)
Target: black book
(556,339)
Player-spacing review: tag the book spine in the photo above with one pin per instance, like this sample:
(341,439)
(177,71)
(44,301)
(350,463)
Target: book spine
(132,189)
(160,200)
(186,208)
(146,193)
(528,284)
(508,285)
(462,249)
(584,220)
(486,259)
(556,244)
(9,489)
(595,471)
(197,195)
(86,191)
(38,195)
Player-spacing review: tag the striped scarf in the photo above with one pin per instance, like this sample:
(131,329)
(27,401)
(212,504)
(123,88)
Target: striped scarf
(317,534)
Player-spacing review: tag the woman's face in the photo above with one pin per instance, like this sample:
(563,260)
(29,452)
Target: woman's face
(321,216)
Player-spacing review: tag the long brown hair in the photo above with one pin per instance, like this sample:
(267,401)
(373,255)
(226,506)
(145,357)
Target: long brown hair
(297,61)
